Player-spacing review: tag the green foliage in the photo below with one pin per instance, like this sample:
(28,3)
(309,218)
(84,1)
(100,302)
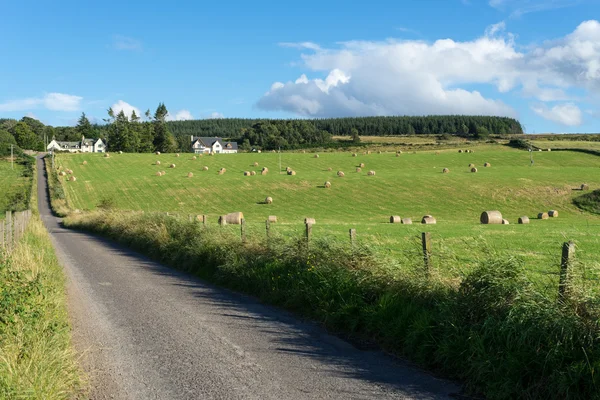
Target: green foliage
(520,144)
(83,127)
(15,184)
(25,137)
(589,202)
(354,135)
(7,138)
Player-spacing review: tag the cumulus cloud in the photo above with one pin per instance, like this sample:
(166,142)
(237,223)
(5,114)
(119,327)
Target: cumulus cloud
(215,115)
(181,115)
(412,77)
(127,109)
(565,114)
(50,101)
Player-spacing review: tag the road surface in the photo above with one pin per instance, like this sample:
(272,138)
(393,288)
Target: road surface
(149,332)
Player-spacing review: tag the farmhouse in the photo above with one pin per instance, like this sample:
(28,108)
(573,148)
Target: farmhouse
(212,145)
(84,146)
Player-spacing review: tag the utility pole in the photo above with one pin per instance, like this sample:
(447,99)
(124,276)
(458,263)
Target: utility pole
(531,157)
(11,157)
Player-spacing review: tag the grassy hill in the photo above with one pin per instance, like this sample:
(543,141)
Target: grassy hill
(410,185)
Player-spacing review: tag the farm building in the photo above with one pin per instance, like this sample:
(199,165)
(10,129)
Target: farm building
(84,146)
(212,145)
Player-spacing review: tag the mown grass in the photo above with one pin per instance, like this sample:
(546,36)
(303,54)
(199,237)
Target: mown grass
(56,190)
(491,328)
(411,185)
(36,358)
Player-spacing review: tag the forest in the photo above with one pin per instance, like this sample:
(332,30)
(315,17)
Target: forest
(156,133)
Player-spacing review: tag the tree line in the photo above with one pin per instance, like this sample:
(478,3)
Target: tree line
(132,134)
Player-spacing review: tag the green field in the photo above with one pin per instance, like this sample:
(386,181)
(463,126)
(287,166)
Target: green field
(12,184)
(410,185)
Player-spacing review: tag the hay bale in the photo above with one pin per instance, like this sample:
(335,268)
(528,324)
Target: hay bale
(523,220)
(395,219)
(445,170)
(543,215)
(255,164)
(234,218)
(84,163)
(158,173)
(327,184)
(585,186)
(553,214)
(539,149)
(269,200)
(120,152)
(369,152)
(177,155)
(211,154)
(487,164)
(291,172)
(473,169)
(194,157)
(316,156)
(158,153)
(252,173)
(172,166)
(340,174)
(329,169)
(505,222)
(288,169)
(205,168)
(491,217)
(354,155)
(72,179)
(471,165)
(428,220)
(264,171)
(273,151)
(303,151)
(397,154)
(69,171)
(362,165)
(371,173)
(460,151)
(157,163)
(190,174)
(272,219)
(163,172)
(549,150)
(358,169)
(406,221)
(310,221)
(259,151)
(222,171)
(62,173)
(222,220)
(106,155)
(246,173)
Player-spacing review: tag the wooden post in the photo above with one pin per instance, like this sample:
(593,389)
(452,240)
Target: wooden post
(268,226)
(426,240)
(2,243)
(308,233)
(243,229)
(9,233)
(568,252)
(352,236)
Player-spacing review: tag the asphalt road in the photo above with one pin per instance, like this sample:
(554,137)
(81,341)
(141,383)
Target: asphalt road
(148,332)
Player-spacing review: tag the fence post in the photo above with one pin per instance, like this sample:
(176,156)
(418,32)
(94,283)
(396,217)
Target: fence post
(2,243)
(426,241)
(568,252)
(9,233)
(268,227)
(243,229)
(352,236)
(308,233)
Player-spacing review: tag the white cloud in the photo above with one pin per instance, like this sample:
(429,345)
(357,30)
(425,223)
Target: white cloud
(413,77)
(121,42)
(565,114)
(127,109)
(181,115)
(50,101)
(215,115)
(303,45)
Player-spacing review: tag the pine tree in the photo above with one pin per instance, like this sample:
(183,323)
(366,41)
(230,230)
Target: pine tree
(163,138)
(83,127)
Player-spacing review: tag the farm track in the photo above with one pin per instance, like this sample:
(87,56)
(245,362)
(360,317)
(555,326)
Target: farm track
(149,332)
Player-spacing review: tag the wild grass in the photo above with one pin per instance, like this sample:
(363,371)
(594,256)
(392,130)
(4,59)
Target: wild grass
(490,328)
(15,183)
(58,199)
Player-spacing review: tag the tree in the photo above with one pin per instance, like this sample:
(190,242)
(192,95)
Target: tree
(7,137)
(163,138)
(83,127)
(354,135)
(25,137)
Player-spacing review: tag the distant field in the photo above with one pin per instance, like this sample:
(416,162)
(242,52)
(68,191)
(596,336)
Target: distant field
(411,185)
(566,144)
(11,183)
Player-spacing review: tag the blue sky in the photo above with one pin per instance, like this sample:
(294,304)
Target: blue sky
(535,60)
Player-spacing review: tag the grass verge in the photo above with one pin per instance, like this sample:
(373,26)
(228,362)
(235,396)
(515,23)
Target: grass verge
(589,202)
(491,329)
(58,198)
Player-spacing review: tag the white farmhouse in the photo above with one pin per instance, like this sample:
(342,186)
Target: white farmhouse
(84,146)
(212,145)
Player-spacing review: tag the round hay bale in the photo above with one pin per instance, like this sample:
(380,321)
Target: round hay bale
(303,151)
(487,164)
(288,169)
(211,154)
(406,221)
(194,157)
(362,165)
(340,174)
(255,164)
(327,184)
(491,217)
(222,171)
(177,155)
(62,173)
(222,220)
(379,152)
(269,200)
(358,169)
(505,222)
(549,149)
(585,186)
(397,154)
(158,173)
(316,156)
(543,215)
(234,218)
(273,151)
(158,153)
(273,219)
(395,219)
(84,163)
(190,174)
(460,151)
(246,173)
(200,155)
(72,179)
(157,163)
(329,169)
(163,172)
(106,155)
(428,220)
(539,149)
(70,171)
(354,155)
(523,220)
(473,169)
(310,221)
(120,152)
(371,173)
(291,172)
(172,166)
(553,214)
(369,152)
(445,170)
(205,168)
(252,173)
(471,165)
(259,151)
(264,171)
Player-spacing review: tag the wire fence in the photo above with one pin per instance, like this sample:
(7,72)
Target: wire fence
(13,228)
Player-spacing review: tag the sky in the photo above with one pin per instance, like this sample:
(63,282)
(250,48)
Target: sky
(535,60)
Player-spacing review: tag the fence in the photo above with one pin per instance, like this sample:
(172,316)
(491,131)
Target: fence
(13,228)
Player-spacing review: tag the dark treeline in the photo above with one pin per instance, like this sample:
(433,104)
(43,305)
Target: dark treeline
(131,134)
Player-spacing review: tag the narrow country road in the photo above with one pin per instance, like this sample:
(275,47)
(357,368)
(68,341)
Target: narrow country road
(148,332)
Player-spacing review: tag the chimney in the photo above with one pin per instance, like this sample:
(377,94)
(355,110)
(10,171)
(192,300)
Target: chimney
(192,138)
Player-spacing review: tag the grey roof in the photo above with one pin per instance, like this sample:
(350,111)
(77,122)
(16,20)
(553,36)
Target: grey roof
(233,145)
(209,141)
(68,144)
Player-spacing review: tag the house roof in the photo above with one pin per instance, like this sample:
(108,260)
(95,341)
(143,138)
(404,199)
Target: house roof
(233,146)
(68,144)
(209,141)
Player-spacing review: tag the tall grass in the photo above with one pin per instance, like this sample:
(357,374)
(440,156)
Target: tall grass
(56,191)
(492,329)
